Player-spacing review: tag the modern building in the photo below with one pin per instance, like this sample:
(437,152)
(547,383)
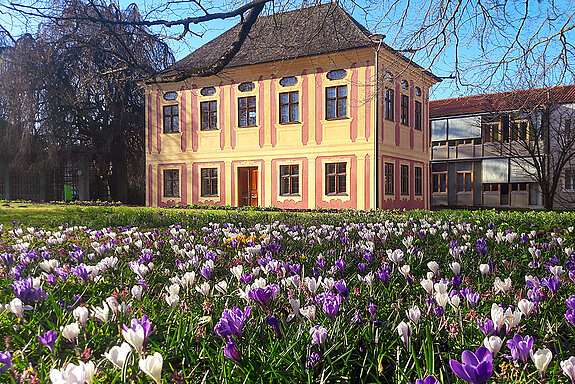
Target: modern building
(487,150)
(313,111)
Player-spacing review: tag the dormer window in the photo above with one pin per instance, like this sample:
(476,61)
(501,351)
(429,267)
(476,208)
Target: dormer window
(246,87)
(288,81)
(389,76)
(404,84)
(170,96)
(208,91)
(336,75)
(417,91)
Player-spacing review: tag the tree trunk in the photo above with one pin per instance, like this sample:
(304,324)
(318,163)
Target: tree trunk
(119,178)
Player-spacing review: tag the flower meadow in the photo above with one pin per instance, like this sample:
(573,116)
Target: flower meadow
(419,297)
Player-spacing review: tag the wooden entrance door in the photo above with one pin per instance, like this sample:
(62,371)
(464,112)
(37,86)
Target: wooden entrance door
(248,186)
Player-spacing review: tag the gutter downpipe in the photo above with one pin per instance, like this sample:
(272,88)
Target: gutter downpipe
(377,127)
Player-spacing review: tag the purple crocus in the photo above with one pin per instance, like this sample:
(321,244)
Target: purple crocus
(383,273)
(312,360)
(25,291)
(341,288)
(273,322)
(232,322)
(145,323)
(488,328)
(81,272)
(520,347)
(231,351)
(318,335)
(475,368)
(6,359)
(571,302)
(49,340)
(570,316)
(205,271)
(330,303)
(340,263)
(551,283)
(428,380)
(264,295)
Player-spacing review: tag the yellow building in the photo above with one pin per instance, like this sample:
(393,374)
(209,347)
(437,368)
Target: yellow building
(292,120)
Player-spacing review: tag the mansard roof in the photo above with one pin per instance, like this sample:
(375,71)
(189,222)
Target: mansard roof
(316,30)
(503,101)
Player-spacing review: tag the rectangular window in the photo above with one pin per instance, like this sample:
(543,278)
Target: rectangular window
(404,109)
(568,125)
(404,180)
(491,133)
(439,177)
(289,107)
(569,179)
(389,109)
(171,119)
(209,116)
(464,179)
(519,130)
(289,180)
(209,182)
(335,178)
(171,183)
(336,102)
(389,175)
(418,119)
(418,181)
(247,111)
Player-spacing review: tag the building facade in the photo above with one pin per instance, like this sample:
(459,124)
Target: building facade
(311,112)
(494,150)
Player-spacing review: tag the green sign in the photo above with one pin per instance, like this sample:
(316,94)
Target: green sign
(67,192)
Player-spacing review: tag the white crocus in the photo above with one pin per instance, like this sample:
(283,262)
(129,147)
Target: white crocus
(404,330)
(137,291)
(433,267)
(312,284)
(114,305)
(101,313)
(405,270)
(441,298)
(455,268)
(117,355)
(16,307)
(135,337)
(427,284)
(173,300)
(309,312)
(81,314)
(526,306)
(74,374)
(237,271)
(222,287)
(541,359)
(173,290)
(498,316)
(204,289)
(502,286)
(414,314)
(455,301)
(568,367)
(512,318)
(152,366)
(70,332)
(484,269)
(557,271)
(493,343)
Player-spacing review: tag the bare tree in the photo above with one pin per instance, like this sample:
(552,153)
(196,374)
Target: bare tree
(536,134)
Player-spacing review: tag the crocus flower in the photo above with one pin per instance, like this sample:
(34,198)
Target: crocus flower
(541,359)
(571,302)
(475,368)
(340,264)
(493,343)
(570,316)
(502,286)
(231,351)
(81,373)
(404,330)
(342,288)
(152,366)
(49,340)
(6,359)
(330,303)
(520,347)
(117,355)
(232,322)
(81,314)
(526,306)
(273,322)
(428,380)
(551,283)
(314,357)
(264,295)
(70,332)
(568,367)
(414,314)
(318,335)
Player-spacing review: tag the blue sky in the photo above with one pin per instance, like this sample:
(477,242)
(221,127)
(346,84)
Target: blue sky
(379,18)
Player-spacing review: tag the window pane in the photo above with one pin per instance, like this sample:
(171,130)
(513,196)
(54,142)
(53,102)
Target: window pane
(252,101)
(341,107)
(214,105)
(243,117)
(175,124)
(284,98)
(242,102)
(342,91)
(285,186)
(341,184)
(330,168)
(331,184)
(341,167)
(252,117)
(205,121)
(284,170)
(204,106)
(330,109)
(459,182)
(284,114)
(295,185)
(167,124)
(214,120)
(331,93)
(294,112)
(294,170)
(294,97)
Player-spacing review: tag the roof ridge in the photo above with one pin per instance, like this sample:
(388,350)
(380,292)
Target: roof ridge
(504,92)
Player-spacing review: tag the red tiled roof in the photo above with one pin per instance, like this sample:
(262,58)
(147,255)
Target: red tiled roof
(504,101)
